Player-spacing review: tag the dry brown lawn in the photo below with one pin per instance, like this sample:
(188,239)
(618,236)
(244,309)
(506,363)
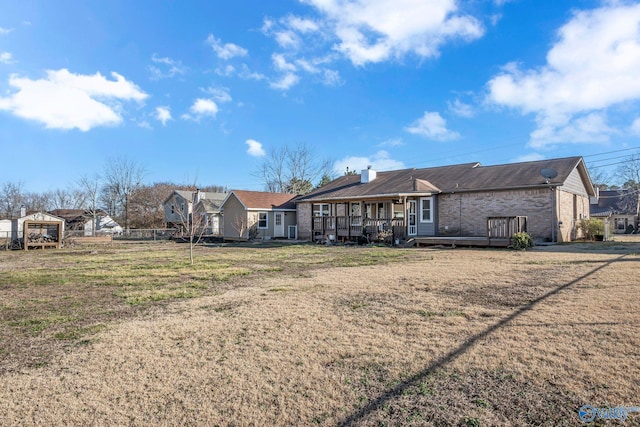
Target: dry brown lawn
(309,335)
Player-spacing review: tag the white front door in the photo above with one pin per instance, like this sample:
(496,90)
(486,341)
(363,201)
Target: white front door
(412,218)
(278,229)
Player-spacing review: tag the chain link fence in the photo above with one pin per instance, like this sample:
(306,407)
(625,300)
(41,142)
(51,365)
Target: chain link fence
(73,237)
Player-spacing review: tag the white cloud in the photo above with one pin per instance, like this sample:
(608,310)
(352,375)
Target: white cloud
(171,67)
(635,126)
(432,126)
(226,71)
(5,31)
(226,51)
(302,25)
(286,82)
(64,100)
(461,109)
(393,142)
(247,74)
(594,65)
(219,94)
(255,148)
(307,66)
(331,78)
(201,108)
(379,30)
(6,58)
(144,125)
(380,161)
(588,128)
(287,39)
(281,64)
(163,114)
(293,27)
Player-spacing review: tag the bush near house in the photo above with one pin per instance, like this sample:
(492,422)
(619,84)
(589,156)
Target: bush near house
(521,241)
(591,227)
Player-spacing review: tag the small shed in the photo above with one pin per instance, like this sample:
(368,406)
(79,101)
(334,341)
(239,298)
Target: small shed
(38,230)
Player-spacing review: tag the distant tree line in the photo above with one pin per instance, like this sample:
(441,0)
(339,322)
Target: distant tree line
(119,191)
(627,175)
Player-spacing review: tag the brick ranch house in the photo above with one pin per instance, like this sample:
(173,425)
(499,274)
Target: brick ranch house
(546,198)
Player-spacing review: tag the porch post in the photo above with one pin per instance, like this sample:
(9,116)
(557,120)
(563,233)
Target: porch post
(405,216)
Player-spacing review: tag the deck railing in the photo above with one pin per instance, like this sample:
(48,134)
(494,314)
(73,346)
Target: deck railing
(505,227)
(357,226)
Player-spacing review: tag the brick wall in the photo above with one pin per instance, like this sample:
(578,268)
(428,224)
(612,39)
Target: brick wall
(469,211)
(568,229)
(304,212)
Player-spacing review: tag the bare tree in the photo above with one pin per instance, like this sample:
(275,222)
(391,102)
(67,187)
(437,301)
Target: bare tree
(39,202)
(629,171)
(90,189)
(240,225)
(12,197)
(122,178)
(192,226)
(599,178)
(66,199)
(292,170)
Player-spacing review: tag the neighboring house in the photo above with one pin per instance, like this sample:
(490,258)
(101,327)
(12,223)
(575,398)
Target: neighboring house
(256,214)
(82,221)
(619,207)
(210,214)
(179,208)
(546,198)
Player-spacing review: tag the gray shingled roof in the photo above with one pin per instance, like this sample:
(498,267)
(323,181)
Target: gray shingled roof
(466,177)
(188,195)
(612,202)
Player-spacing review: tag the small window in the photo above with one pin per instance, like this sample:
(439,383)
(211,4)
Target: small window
(278,219)
(263,220)
(321,210)
(182,206)
(173,209)
(426,211)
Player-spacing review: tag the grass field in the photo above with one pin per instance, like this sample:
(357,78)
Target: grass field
(315,335)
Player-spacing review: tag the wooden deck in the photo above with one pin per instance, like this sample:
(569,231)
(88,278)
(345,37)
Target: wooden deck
(458,241)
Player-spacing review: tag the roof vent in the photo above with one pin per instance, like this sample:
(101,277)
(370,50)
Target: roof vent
(367,175)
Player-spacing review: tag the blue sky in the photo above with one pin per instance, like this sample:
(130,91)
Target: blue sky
(199,91)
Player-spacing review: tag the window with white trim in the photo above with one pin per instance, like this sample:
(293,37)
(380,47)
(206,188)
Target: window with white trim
(321,209)
(263,219)
(426,209)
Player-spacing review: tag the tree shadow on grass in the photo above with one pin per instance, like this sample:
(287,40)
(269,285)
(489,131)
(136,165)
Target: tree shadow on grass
(440,363)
